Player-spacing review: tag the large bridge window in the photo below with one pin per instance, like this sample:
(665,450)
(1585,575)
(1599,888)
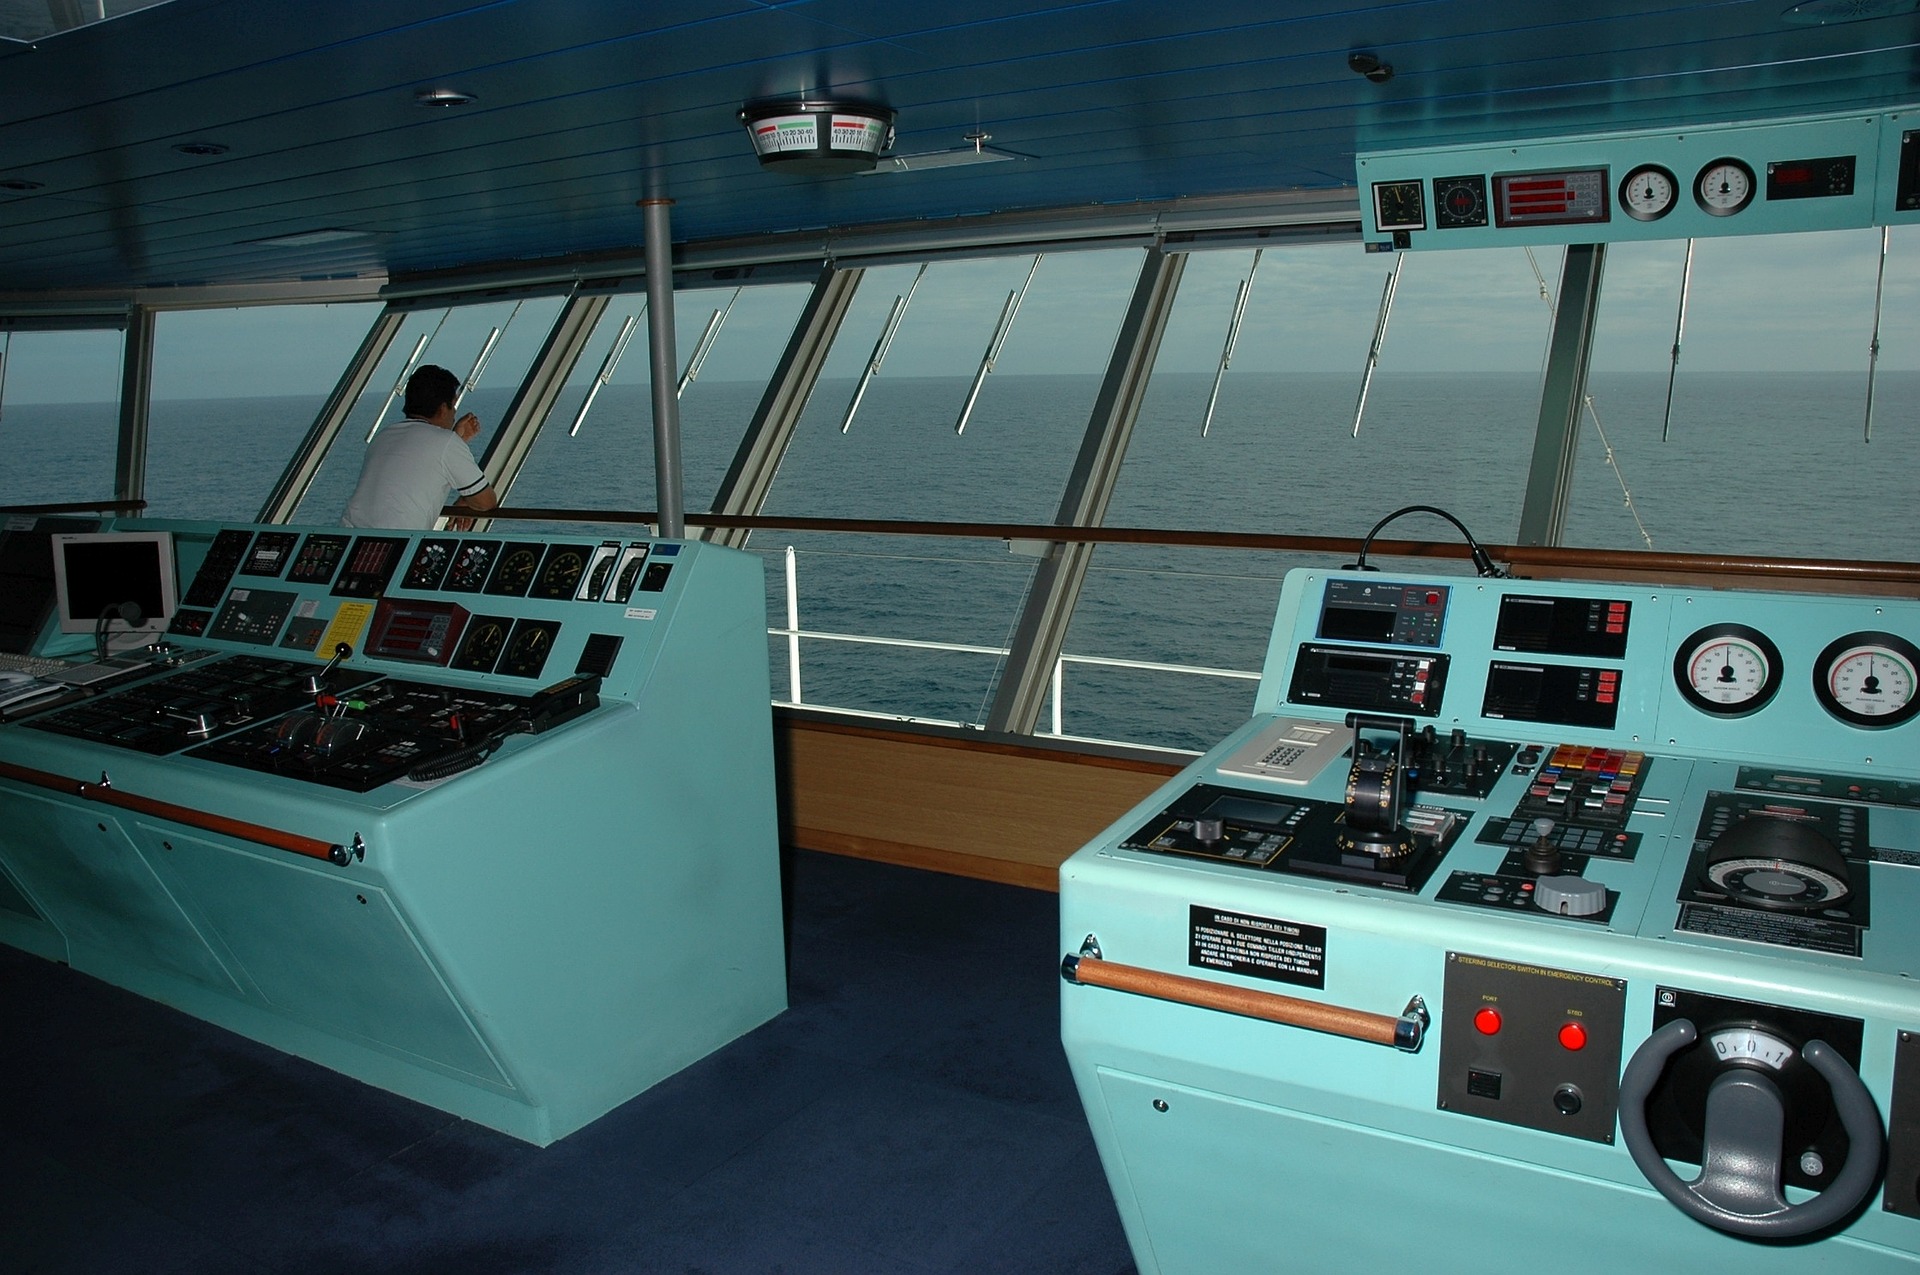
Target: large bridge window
(1765,447)
(1048,328)
(59,414)
(596,450)
(234,391)
(1448,420)
(489,344)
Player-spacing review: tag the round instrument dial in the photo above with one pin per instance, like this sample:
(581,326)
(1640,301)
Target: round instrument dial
(1723,187)
(1728,670)
(515,572)
(1778,884)
(481,649)
(1649,193)
(562,572)
(527,653)
(1869,679)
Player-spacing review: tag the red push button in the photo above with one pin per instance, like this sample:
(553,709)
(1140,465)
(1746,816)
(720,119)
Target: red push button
(1486,1020)
(1573,1036)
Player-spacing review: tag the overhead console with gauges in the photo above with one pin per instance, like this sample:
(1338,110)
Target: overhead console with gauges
(486,820)
(1830,172)
(1580,915)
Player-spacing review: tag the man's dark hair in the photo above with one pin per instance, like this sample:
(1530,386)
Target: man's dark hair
(429,389)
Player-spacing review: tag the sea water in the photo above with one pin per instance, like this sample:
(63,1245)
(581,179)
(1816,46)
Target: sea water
(1752,464)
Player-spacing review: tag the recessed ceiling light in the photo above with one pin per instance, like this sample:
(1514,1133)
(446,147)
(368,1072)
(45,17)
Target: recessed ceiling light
(200,148)
(19,183)
(443,97)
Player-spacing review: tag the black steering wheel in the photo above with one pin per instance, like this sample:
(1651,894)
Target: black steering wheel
(1738,1190)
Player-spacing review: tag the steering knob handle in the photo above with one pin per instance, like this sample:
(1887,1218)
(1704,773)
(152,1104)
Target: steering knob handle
(1738,1190)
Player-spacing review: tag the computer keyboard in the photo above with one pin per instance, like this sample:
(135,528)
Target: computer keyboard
(32,665)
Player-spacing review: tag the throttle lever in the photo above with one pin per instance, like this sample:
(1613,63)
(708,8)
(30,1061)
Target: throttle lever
(317,682)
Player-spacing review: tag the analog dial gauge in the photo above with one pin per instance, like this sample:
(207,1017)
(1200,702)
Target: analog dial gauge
(1723,187)
(1727,669)
(1869,679)
(1648,193)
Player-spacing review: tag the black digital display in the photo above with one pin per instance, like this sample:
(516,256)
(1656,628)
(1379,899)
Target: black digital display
(1356,624)
(1563,626)
(1563,694)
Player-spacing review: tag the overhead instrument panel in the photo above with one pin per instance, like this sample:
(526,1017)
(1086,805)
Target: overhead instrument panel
(1829,172)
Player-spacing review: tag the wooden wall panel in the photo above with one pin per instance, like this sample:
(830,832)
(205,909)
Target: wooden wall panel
(979,808)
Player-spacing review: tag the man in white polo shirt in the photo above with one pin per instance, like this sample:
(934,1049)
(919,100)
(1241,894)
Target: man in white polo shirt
(411,466)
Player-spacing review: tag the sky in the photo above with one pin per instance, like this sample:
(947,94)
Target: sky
(1765,303)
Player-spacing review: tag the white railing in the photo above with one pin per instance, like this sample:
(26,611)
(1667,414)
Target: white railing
(796,698)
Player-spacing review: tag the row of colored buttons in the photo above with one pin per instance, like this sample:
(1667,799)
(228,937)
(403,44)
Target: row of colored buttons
(1487,1021)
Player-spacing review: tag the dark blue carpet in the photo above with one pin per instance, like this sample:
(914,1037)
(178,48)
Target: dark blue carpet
(911,1112)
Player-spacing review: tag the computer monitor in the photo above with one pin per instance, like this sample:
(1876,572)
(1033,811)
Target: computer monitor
(95,574)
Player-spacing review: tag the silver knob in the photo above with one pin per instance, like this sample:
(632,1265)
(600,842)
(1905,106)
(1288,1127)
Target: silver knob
(1569,896)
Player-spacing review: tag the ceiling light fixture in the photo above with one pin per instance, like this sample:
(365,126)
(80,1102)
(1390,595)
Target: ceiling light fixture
(201,148)
(444,97)
(805,136)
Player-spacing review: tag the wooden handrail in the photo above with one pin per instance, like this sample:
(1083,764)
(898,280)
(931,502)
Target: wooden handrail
(1829,570)
(79,506)
(106,794)
(1404,1032)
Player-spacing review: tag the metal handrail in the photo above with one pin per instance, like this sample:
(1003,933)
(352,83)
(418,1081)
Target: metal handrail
(793,633)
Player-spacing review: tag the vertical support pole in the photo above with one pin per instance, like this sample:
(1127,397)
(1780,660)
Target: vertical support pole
(1041,631)
(1557,435)
(136,390)
(665,364)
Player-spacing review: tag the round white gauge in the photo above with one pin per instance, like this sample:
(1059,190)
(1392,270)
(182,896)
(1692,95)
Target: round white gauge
(1723,187)
(1648,193)
(1728,670)
(1869,679)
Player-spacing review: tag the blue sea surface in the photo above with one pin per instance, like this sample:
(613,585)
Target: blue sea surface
(1768,464)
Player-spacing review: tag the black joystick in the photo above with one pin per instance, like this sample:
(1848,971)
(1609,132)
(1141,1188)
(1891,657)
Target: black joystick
(317,682)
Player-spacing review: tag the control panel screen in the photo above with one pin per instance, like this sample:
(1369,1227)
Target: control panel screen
(1563,626)
(1564,197)
(421,632)
(1383,612)
(1566,695)
(1374,681)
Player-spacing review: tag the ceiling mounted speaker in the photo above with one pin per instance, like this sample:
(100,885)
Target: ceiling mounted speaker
(801,136)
